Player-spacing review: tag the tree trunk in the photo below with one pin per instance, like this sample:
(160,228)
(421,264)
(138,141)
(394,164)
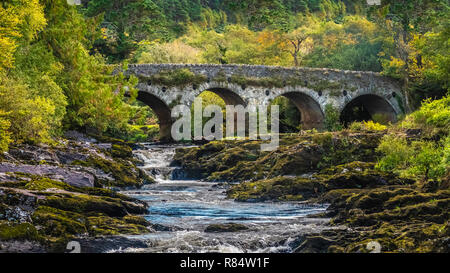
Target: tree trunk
(295,59)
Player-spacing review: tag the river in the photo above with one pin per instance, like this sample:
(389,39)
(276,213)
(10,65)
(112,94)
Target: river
(185,208)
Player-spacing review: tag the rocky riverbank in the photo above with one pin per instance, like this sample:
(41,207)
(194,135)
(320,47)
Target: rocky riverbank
(50,195)
(378,208)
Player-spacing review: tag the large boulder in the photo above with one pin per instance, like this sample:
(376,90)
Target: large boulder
(72,176)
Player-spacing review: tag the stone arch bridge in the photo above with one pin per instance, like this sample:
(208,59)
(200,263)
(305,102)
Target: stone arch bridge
(162,86)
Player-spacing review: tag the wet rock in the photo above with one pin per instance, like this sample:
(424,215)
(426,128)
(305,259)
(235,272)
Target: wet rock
(159,227)
(5,177)
(21,247)
(358,175)
(104,146)
(243,160)
(67,157)
(179,174)
(11,231)
(80,137)
(329,240)
(228,227)
(17,205)
(109,244)
(81,203)
(29,153)
(315,244)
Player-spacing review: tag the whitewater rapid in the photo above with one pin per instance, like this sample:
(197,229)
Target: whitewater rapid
(184,208)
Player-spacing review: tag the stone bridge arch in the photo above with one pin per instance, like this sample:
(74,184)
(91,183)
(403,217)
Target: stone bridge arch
(310,89)
(161,99)
(368,106)
(231,94)
(162,111)
(307,102)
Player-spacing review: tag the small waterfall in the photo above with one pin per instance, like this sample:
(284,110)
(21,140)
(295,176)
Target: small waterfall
(183,209)
(157,161)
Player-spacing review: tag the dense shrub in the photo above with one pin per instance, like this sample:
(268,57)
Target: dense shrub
(433,117)
(421,159)
(367,126)
(5,138)
(332,118)
(174,52)
(30,117)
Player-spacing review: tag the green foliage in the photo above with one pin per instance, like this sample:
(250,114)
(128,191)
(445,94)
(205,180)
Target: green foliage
(419,52)
(95,96)
(30,117)
(355,44)
(433,117)
(289,115)
(332,118)
(31,103)
(209,98)
(381,118)
(424,159)
(325,139)
(125,24)
(38,68)
(396,153)
(5,135)
(173,52)
(20,20)
(367,126)
(20,232)
(428,161)
(141,133)
(52,82)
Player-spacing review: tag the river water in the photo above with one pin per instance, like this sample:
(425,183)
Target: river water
(185,208)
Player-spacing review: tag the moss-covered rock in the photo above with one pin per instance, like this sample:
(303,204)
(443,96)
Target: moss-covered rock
(352,176)
(65,224)
(121,151)
(104,225)
(403,215)
(46,212)
(243,160)
(57,212)
(18,231)
(124,172)
(404,237)
(277,189)
(82,203)
(43,183)
(55,222)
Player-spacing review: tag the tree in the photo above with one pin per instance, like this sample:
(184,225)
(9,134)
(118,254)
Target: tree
(173,52)
(404,18)
(95,95)
(261,13)
(299,44)
(5,135)
(19,20)
(125,23)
